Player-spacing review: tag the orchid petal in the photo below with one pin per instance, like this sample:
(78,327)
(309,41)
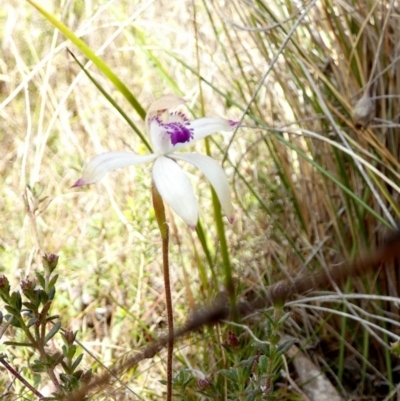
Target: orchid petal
(159,138)
(169,129)
(215,174)
(203,127)
(100,165)
(175,188)
(166,102)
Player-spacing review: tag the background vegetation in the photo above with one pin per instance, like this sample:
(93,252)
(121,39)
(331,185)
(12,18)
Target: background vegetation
(314,172)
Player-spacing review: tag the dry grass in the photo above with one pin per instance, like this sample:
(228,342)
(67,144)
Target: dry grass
(311,188)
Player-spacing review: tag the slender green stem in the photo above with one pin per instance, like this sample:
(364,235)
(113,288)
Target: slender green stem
(229,284)
(164,231)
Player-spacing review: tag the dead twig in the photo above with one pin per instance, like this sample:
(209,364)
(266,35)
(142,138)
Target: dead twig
(278,294)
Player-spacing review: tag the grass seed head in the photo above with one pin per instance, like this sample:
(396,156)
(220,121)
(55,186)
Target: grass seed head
(363,112)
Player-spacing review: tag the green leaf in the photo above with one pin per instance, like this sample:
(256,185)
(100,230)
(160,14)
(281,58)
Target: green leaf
(77,362)
(44,298)
(52,292)
(264,348)
(248,363)
(30,306)
(32,321)
(78,374)
(41,279)
(90,54)
(284,347)
(38,367)
(28,313)
(17,344)
(56,358)
(54,330)
(71,351)
(274,339)
(263,364)
(86,377)
(14,322)
(268,329)
(50,318)
(37,297)
(251,397)
(53,281)
(12,310)
(231,374)
(64,378)
(395,348)
(283,319)
(203,241)
(16,301)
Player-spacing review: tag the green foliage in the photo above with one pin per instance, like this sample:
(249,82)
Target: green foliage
(253,363)
(315,180)
(29,313)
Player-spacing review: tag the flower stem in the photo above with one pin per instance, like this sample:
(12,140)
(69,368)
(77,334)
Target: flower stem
(164,231)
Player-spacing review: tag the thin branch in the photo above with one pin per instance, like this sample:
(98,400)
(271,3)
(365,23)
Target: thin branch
(19,377)
(278,294)
(269,69)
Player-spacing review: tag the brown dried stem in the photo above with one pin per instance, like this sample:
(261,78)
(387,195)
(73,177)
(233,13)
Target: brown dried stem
(278,294)
(19,377)
(164,231)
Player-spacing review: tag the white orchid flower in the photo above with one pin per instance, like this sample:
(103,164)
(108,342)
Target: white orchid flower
(170,132)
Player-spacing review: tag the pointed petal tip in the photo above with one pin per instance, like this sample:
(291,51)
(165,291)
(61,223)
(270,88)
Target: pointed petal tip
(231,219)
(79,183)
(233,123)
